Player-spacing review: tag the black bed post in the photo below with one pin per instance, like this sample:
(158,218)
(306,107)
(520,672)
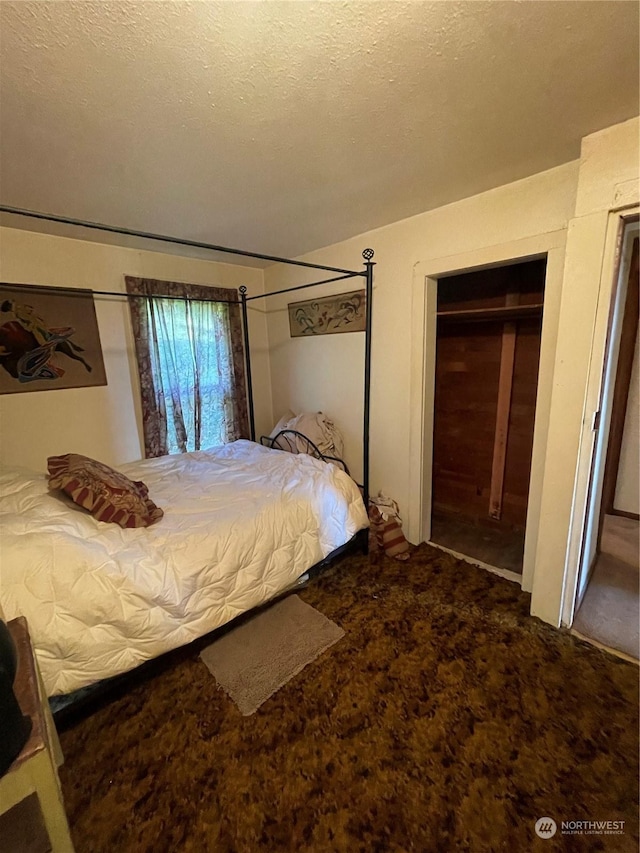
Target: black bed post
(247,361)
(369,265)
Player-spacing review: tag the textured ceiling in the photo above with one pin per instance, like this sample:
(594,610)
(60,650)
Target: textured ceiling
(285,126)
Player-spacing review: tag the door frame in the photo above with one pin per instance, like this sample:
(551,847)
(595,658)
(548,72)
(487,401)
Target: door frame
(622,227)
(422,379)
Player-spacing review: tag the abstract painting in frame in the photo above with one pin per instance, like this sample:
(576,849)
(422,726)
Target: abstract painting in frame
(48,339)
(343,312)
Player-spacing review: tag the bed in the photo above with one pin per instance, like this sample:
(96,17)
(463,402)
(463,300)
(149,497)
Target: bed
(241,524)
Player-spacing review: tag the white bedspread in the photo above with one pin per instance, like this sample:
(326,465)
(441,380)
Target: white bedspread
(241,524)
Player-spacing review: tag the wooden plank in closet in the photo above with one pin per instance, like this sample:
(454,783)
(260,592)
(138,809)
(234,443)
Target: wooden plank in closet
(505,384)
(479,315)
(521,424)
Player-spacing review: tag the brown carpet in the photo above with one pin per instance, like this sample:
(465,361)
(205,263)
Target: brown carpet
(610,609)
(258,657)
(621,539)
(446,719)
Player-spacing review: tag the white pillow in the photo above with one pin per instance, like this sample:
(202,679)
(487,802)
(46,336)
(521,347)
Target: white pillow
(321,430)
(282,423)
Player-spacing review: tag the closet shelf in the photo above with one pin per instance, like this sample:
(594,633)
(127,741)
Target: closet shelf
(505,312)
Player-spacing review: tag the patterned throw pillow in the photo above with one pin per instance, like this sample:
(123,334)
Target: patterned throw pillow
(107,494)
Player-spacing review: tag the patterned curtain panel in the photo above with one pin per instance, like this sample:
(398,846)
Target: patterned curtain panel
(191,365)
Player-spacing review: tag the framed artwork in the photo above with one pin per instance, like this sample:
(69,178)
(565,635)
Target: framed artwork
(344,312)
(48,339)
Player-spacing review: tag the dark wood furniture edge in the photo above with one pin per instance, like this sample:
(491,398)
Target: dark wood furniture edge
(27,691)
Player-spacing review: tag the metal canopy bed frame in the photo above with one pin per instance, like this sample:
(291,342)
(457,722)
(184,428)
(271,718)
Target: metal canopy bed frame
(343,275)
(76,705)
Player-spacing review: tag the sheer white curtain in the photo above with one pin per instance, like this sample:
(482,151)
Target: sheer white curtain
(193,369)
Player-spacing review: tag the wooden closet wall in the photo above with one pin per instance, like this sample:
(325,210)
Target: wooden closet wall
(487,354)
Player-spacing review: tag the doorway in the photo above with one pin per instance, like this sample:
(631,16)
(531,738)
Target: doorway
(607,596)
(488,335)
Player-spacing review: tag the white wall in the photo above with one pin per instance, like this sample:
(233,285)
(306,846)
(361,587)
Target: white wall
(627,497)
(104,422)
(326,373)
(321,373)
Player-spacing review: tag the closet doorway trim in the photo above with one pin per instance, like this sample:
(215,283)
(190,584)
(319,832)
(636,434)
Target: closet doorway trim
(422,380)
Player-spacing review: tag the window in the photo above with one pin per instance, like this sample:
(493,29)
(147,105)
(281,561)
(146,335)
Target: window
(190,361)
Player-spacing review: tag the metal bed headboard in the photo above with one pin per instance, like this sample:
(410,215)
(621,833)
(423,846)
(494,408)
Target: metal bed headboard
(290,441)
(367,274)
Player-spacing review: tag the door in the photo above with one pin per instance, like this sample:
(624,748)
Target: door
(610,419)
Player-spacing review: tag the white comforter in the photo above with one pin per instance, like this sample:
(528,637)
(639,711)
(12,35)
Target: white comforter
(241,523)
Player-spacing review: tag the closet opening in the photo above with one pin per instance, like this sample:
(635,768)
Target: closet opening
(489,325)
